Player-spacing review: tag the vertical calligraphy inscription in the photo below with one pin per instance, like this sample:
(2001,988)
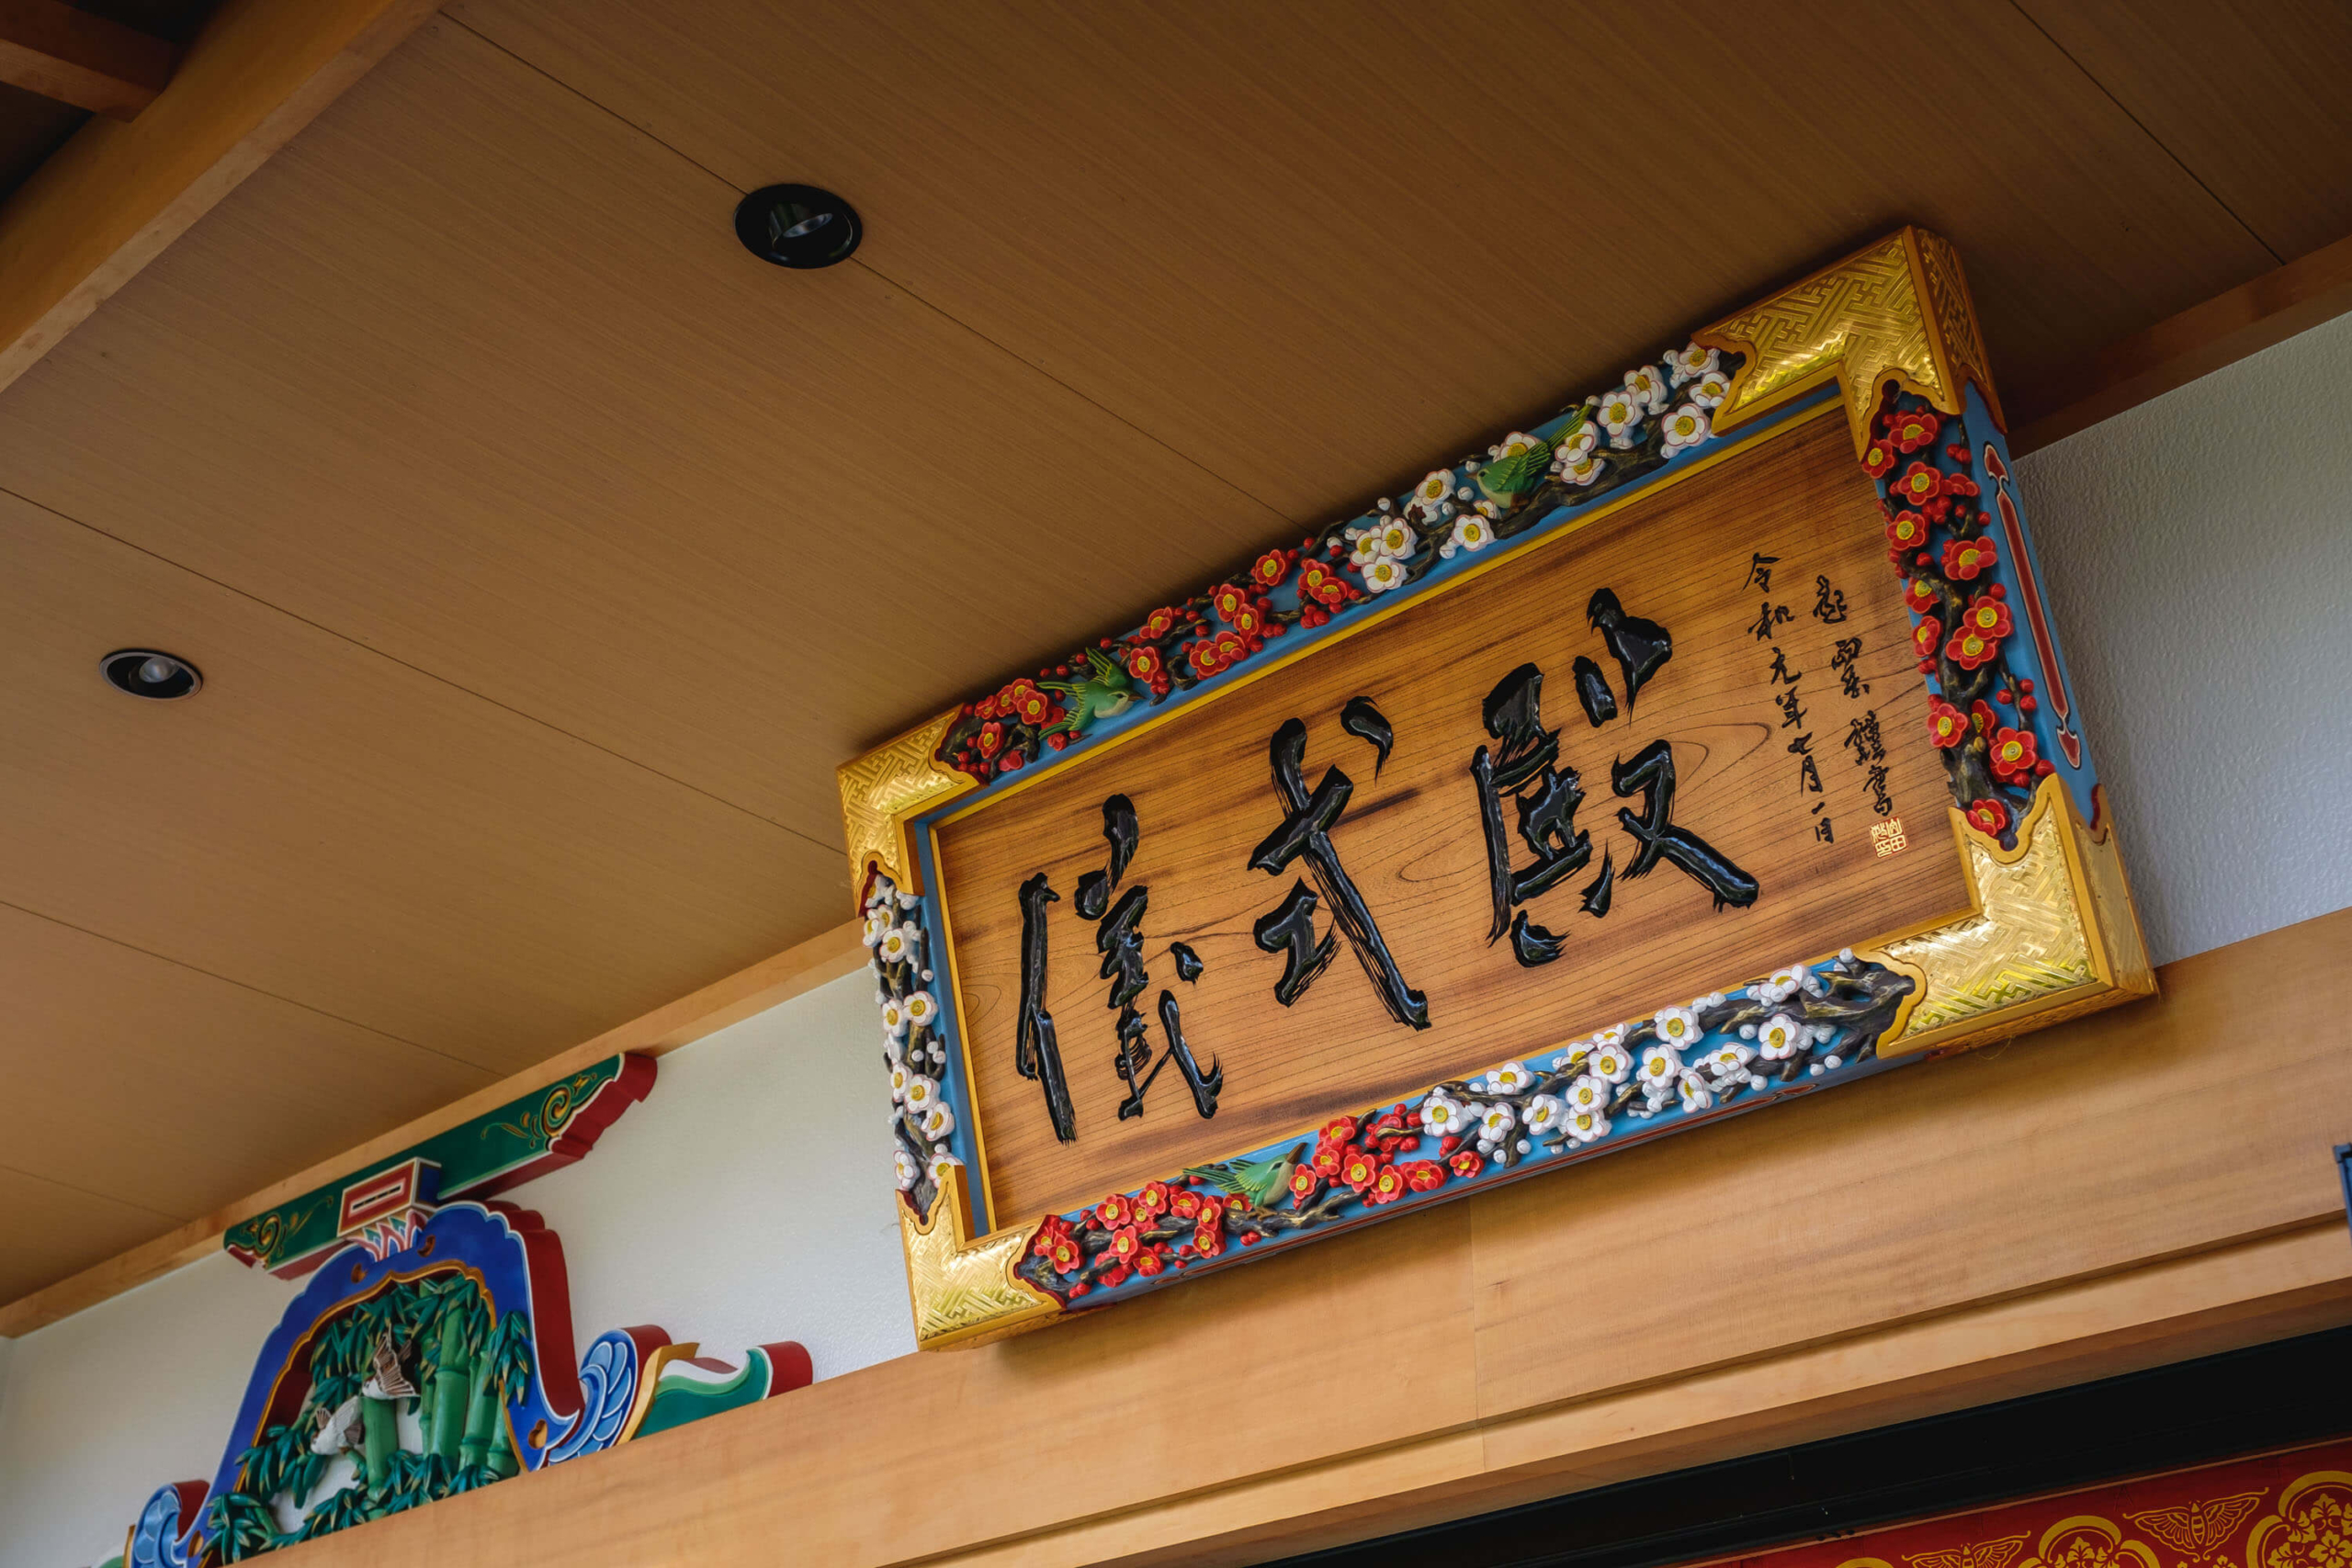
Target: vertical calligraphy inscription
(1412,842)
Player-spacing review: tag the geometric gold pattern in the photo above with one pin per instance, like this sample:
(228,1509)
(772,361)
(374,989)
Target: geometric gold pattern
(882,789)
(2041,942)
(1894,310)
(967,1293)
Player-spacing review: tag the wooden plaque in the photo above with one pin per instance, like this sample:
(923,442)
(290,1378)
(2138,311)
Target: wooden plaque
(1657,762)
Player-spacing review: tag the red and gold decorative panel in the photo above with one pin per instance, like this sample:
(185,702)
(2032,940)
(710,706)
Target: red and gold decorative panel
(2283,1510)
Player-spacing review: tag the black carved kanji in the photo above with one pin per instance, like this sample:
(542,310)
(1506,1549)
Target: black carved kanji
(1523,765)
(1651,775)
(1306,835)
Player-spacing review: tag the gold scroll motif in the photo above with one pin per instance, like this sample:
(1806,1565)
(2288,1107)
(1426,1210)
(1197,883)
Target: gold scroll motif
(649,1383)
(886,787)
(965,1292)
(2051,936)
(1896,311)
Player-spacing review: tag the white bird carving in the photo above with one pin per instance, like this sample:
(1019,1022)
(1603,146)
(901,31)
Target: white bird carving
(387,1382)
(339,1428)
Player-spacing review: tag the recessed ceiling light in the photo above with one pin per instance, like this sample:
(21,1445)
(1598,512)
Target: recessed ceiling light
(145,673)
(797,226)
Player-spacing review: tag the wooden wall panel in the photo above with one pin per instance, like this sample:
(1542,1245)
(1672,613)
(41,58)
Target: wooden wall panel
(337,829)
(2061,1155)
(1307,244)
(1551,1335)
(479,375)
(2249,95)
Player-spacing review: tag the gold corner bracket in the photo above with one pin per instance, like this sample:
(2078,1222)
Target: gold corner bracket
(1894,310)
(882,789)
(965,1291)
(2052,934)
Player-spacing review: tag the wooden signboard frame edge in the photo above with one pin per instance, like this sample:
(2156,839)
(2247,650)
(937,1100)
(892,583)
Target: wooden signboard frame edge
(2052,932)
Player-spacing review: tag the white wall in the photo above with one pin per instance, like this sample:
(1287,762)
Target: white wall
(101,1410)
(747,1200)
(2200,552)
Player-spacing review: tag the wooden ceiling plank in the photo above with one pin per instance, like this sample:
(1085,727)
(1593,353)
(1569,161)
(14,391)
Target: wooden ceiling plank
(2199,341)
(396,387)
(803,967)
(328,825)
(1305,249)
(109,201)
(87,60)
(47,1228)
(219,1087)
(478,375)
(2248,94)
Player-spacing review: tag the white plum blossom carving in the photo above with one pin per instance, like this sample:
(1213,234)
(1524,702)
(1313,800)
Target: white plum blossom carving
(1647,387)
(1587,1126)
(1690,363)
(1678,1027)
(1610,1063)
(1685,427)
(1588,1093)
(1471,533)
(1441,1116)
(1618,413)
(1780,1037)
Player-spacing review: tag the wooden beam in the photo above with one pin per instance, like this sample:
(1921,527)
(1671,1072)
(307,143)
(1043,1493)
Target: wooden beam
(2247,320)
(109,201)
(81,59)
(837,952)
(2113,1193)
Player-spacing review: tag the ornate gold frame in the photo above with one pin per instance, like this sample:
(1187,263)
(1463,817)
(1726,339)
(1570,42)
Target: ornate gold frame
(2050,932)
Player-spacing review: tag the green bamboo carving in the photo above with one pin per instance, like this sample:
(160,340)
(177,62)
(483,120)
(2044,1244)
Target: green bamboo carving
(381,1418)
(468,1370)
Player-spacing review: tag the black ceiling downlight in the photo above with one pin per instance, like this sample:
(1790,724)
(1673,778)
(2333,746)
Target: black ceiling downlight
(797,226)
(144,672)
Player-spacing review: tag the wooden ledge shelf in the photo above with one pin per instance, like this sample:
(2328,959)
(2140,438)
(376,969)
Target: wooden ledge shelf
(2126,1190)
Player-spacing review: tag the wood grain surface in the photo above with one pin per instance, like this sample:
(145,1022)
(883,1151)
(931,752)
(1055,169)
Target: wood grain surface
(2246,94)
(1203,791)
(2115,1192)
(89,986)
(1313,245)
(107,203)
(475,379)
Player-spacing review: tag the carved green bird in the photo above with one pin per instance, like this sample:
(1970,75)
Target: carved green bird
(1106,692)
(1506,479)
(1262,1182)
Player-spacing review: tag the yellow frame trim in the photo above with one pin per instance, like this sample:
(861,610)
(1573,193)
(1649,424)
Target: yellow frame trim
(2051,932)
